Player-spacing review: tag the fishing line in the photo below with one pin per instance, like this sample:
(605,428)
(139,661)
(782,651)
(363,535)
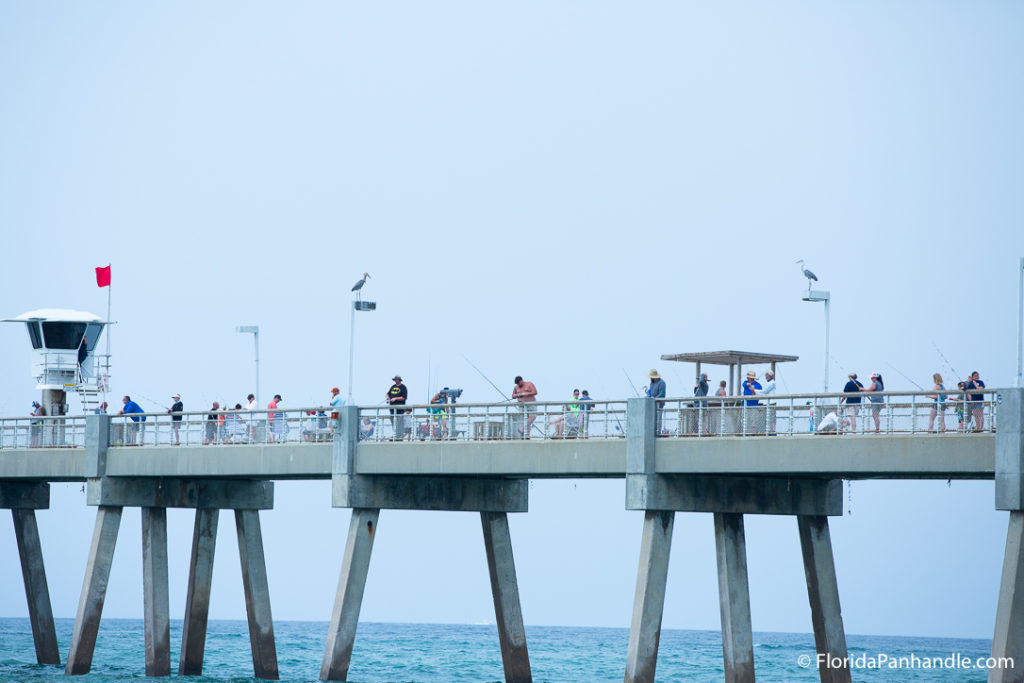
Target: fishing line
(904,376)
(486,378)
(948,364)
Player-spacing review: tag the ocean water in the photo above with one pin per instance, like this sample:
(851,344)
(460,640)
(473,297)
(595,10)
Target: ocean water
(422,653)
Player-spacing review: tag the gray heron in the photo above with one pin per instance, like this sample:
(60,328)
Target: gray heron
(359,285)
(807,274)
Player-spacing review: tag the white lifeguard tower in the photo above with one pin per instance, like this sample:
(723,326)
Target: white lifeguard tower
(65,357)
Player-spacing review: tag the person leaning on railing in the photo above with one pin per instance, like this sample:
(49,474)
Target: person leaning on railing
(976,401)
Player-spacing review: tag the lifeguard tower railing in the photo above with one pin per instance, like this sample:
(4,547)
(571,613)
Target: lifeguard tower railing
(794,415)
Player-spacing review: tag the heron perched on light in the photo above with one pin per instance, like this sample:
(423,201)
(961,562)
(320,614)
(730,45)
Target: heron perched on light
(807,274)
(359,285)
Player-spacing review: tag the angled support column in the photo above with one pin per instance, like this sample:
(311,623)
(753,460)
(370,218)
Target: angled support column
(197,602)
(348,600)
(257,594)
(40,613)
(156,601)
(1008,640)
(649,599)
(509,615)
(94,590)
(823,594)
(734,598)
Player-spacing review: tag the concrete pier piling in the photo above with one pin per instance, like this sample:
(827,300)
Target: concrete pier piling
(23,499)
(734,598)
(156,600)
(660,496)
(493,498)
(197,601)
(1008,639)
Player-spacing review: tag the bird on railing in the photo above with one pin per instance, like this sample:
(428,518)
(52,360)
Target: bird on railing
(359,285)
(807,274)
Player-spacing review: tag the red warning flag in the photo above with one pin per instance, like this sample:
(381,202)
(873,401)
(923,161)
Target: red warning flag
(103,277)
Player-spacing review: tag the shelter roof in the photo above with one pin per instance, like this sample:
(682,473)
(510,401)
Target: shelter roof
(729,357)
(57,314)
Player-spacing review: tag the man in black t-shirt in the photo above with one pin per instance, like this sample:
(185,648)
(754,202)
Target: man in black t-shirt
(852,402)
(976,405)
(397,395)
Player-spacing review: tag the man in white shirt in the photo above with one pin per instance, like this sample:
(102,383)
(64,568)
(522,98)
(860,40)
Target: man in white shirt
(769,389)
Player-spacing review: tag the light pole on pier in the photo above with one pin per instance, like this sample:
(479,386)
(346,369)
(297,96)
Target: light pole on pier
(254,330)
(1020,323)
(824,296)
(357,305)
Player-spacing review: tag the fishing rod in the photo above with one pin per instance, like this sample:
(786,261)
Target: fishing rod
(486,378)
(948,364)
(630,382)
(905,377)
(148,399)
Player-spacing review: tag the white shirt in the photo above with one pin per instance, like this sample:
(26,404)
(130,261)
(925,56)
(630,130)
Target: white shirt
(251,405)
(769,387)
(337,401)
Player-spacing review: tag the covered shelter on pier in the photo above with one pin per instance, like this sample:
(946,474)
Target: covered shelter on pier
(735,360)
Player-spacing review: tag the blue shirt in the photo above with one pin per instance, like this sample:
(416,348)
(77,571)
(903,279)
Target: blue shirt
(657,388)
(133,407)
(751,387)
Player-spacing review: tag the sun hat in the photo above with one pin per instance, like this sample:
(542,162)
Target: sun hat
(396,378)
(751,373)
(653,374)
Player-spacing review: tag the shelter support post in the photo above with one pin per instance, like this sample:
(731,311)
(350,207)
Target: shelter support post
(23,499)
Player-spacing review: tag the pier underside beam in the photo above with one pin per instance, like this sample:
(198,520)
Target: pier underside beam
(94,590)
(823,594)
(734,598)
(508,613)
(156,600)
(737,495)
(649,599)
(355,566)
(257,594)
(197,602)
(458,494)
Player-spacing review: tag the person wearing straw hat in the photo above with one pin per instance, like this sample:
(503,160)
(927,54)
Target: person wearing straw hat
(656,390)
(755,418)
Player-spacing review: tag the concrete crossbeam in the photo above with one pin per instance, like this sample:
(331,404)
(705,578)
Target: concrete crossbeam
(40,612)
(181,493)
(431,493)
(738,495)
(24,495)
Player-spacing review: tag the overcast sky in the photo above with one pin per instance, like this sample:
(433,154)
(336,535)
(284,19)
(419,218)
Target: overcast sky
(559,190)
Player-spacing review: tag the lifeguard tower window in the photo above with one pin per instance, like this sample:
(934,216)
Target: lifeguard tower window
(63,335)
(34,334)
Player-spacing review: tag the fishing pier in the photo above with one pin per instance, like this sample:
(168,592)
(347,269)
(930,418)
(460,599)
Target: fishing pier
(722,455)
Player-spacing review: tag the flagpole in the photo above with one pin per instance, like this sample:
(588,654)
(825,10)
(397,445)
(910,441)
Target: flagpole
(106,378)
